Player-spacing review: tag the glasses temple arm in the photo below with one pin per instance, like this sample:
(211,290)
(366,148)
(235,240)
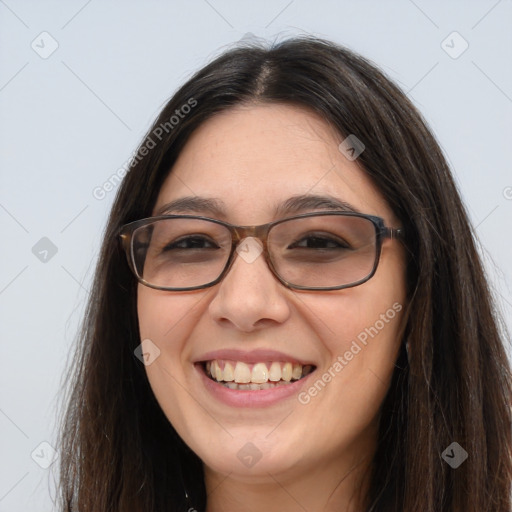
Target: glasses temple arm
(393,233)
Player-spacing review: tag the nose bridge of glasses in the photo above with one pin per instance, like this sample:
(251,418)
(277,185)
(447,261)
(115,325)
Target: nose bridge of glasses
(242,232)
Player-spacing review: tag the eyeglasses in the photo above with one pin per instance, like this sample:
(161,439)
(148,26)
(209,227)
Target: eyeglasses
(311,251)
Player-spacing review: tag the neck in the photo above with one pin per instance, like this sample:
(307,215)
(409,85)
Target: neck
(324,487)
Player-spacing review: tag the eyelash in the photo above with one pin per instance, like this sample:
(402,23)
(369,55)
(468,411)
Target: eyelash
(189,239)
(173,244)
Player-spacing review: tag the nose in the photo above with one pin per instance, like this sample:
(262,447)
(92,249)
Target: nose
(250,297)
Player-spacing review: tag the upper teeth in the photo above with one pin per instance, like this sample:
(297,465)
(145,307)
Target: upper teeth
(258,373)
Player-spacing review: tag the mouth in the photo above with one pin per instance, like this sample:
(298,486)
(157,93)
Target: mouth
(242,376)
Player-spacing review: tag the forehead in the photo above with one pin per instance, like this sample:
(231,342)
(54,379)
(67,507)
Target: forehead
(254,158)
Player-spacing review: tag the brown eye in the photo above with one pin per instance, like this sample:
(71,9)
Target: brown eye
(319,242)
(191,242)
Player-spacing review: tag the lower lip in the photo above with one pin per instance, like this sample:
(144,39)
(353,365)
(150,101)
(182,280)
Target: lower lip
(251,398)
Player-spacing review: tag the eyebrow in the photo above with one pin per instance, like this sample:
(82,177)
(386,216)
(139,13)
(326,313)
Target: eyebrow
(293,205)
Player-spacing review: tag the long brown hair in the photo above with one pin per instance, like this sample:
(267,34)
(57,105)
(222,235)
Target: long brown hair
(119,452)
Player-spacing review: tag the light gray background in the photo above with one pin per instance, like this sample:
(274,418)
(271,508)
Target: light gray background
(69,121)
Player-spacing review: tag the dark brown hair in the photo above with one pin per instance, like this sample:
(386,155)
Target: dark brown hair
(119,452)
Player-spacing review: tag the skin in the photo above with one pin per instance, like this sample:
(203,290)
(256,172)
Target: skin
(313,455)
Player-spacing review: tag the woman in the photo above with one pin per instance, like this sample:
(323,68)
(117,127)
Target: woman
(343,355)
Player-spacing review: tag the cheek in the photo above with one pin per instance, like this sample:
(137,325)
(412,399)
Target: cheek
(166,316)
(362,339)
(345,315)
(361,329)
(166,320)
(355,317)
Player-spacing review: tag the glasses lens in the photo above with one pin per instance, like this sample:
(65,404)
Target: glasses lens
(323,251)
(320,251)
(180,253)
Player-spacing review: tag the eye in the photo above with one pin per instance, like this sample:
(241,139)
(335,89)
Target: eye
(190,242)
(315,241)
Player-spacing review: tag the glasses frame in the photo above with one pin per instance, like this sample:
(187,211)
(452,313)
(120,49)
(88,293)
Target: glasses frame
(239,233)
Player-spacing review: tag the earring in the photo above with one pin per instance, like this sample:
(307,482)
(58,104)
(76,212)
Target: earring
(408,350)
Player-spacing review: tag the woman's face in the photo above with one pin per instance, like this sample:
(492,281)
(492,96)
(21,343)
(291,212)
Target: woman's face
(253,159)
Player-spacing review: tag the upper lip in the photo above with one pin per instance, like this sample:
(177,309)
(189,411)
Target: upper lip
(251,356)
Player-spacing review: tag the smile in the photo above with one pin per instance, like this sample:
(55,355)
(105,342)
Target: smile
(238,375)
